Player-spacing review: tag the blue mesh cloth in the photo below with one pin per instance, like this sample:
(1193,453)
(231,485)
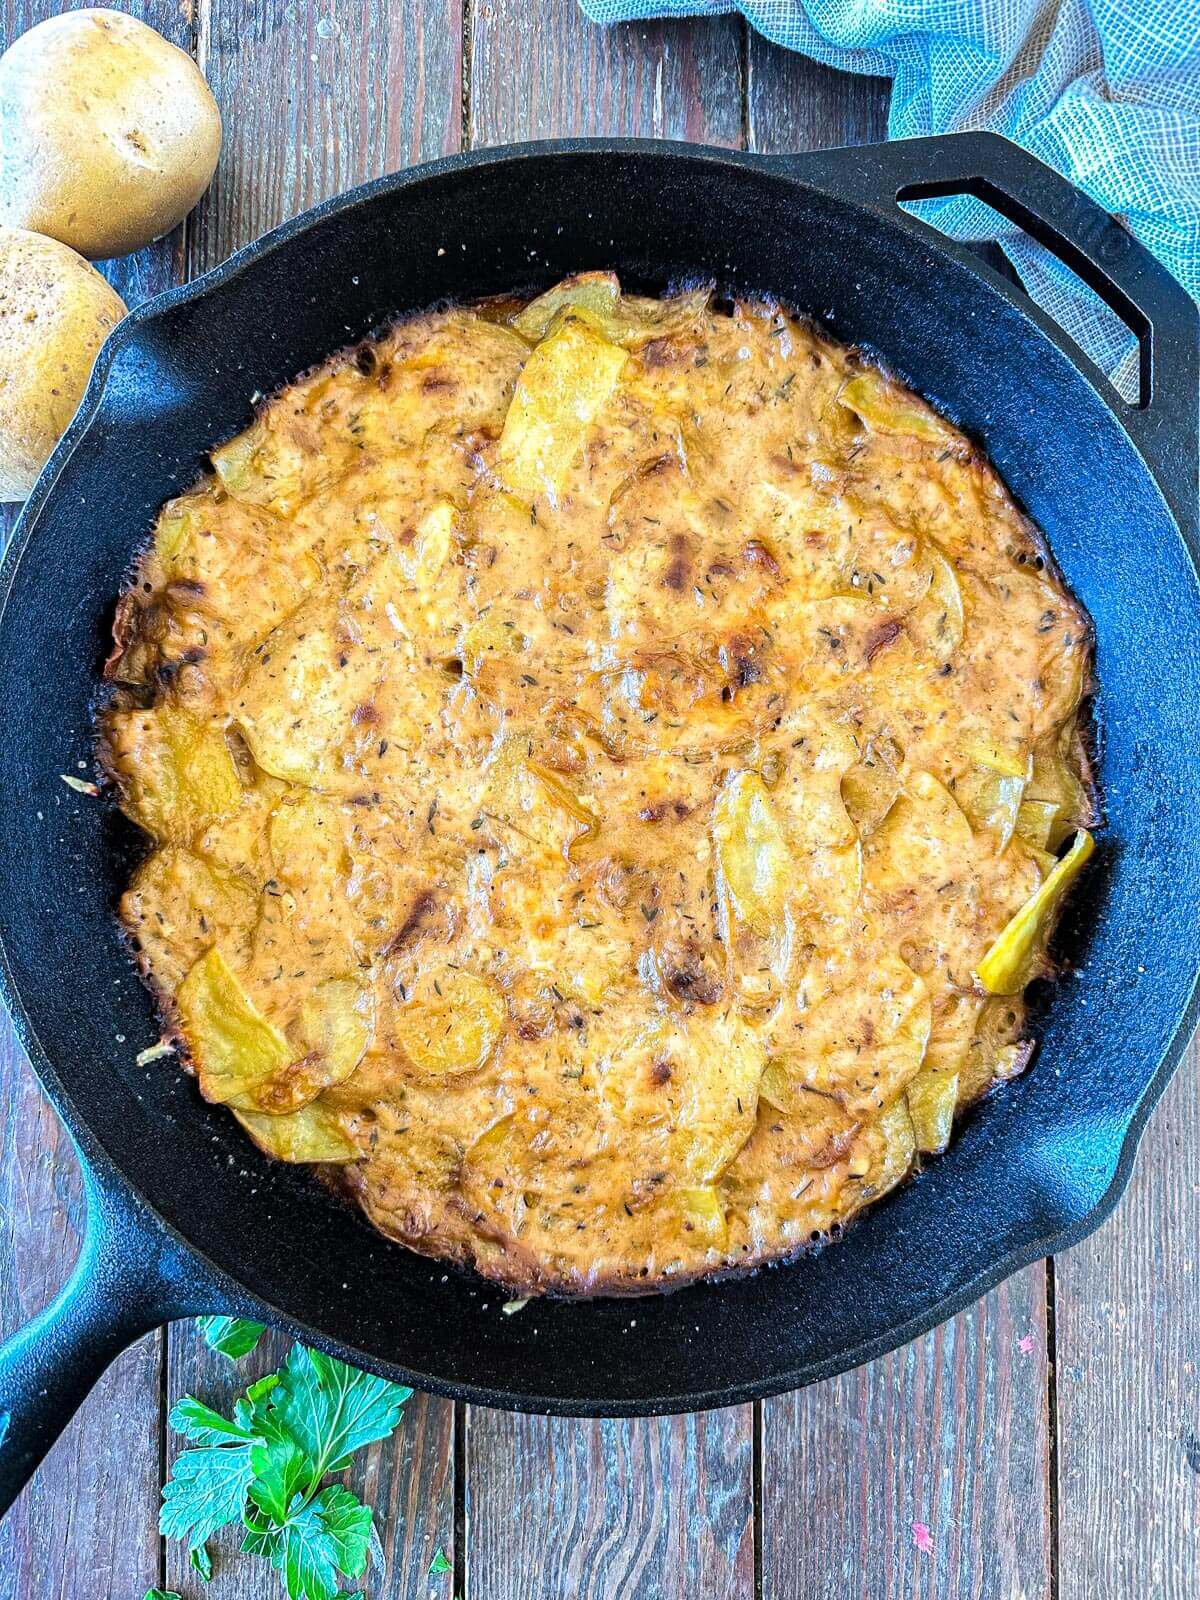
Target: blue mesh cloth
(1107,91)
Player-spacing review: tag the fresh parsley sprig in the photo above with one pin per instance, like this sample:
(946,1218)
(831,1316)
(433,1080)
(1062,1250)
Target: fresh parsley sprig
(230,1336)
(266,1468)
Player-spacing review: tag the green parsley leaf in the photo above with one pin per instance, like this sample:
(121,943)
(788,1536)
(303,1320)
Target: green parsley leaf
(266,1468)
(320,1541)
(281,1472)
(206,1489)
(332,1410)
(439,1564)
(161,1594)
(251,1411)
(201,1423)
(230,1336)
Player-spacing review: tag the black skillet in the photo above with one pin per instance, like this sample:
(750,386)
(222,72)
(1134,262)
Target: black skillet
(184,1216)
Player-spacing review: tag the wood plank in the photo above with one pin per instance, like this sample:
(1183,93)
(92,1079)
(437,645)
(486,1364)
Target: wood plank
(408,1480)
(795,104)
(88,1522)
(549,73)
(949,1435)
(1127,1315)
(315,101)
(952,1433)
(653,1508)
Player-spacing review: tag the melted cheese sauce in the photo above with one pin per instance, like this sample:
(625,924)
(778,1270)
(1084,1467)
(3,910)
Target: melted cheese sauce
(585,774)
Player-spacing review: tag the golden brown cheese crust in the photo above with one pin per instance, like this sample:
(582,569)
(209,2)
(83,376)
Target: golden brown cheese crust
(598,774)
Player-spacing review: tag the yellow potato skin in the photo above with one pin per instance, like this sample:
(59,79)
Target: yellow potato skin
(108,133)
(55,313)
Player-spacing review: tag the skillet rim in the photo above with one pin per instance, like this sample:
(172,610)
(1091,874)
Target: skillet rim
(108,1174)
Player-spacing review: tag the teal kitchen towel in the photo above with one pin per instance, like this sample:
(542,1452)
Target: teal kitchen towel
(1106,91)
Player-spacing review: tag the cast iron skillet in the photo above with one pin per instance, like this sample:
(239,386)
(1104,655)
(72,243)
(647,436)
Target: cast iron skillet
(185,1216)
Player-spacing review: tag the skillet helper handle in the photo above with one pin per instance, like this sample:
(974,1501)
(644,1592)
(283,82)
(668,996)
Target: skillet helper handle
(1165,426)
(126,1281)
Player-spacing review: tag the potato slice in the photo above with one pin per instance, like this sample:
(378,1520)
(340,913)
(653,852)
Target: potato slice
(991,790)
(186,777)
(896,1150)
(305,838)
(337,1022)
(1055,782)
(865,1039)
(627,320)
(870,786)
(683,1094)
(596,293)
(932,1099)
(1036,822)
(173,530)
(337,679)
(936,622)
(702,1212)
(1019,954)
(235,1049)
(178,904)
(271,464)
(310,1134)
(925,835)
(564,384)
(752,851)
(563,796)
(451,1022)
(888,409)
(424,558)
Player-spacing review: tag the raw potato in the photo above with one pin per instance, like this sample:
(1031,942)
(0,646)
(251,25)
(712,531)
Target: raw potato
(108,134)
(55,313)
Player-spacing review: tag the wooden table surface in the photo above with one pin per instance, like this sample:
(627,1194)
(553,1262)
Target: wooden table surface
(1049,1438)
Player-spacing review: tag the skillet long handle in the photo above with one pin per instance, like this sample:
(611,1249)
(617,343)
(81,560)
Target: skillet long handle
(1165,427)
(128,1279)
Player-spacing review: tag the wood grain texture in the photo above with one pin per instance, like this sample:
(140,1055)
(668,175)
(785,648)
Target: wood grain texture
(661,1508)
(317,98)
(547,72)
(645,1510)
(409,1480)
(949,1434)
(1127,1321)
(86,1525)
(796,104)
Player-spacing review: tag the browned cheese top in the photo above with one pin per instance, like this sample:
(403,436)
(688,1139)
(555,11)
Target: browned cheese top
(589,750)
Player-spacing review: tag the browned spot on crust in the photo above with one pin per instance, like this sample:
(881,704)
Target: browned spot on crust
(756,554)
(678,573)
(664,808)
(416,923)
(880,636)
(690,982)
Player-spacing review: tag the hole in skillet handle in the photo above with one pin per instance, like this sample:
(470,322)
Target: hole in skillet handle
(1119,344)
(1165,423)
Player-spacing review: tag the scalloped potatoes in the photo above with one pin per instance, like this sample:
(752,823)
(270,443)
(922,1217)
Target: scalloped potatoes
(603,759)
